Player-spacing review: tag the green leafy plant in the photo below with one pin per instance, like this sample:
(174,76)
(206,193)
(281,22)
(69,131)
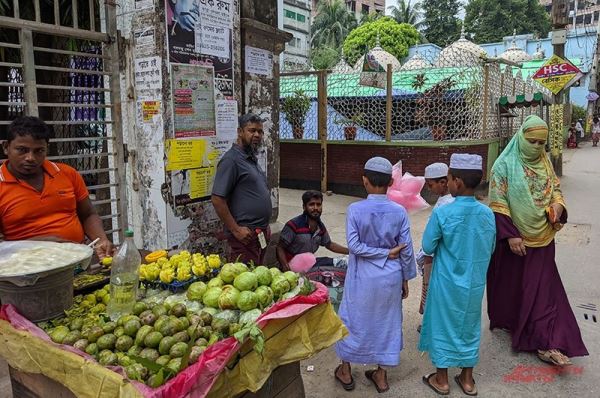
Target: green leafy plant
(296,108)
(430,107)
(394,38)
(352,121)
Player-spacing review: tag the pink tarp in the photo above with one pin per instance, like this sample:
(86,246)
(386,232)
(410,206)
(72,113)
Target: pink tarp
(196,380)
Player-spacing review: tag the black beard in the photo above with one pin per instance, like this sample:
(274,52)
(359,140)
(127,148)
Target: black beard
(312,217)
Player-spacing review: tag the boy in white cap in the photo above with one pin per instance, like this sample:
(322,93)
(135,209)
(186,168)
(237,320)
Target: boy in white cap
(381,262)
(436,178)
(461,237)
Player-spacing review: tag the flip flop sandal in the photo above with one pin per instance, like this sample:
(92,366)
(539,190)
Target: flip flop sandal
(369,375)
(471,393)
(549,357)
(347,386)
(427,381)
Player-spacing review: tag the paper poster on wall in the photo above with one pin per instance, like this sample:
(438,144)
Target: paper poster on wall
(262,159)
(149,110)
(201,182)
(148,77)
(258,61)
(193,101)
(185,154)
(177,228)
(216,12)
(226,114)
(212,40)
(144,42)
(181,18)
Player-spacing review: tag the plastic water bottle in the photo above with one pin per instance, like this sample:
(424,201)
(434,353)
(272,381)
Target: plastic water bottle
(124,278)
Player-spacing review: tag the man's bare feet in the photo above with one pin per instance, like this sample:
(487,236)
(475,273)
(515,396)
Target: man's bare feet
(433,381)
(380,379)
(467,382)
(344,373)
(438,382)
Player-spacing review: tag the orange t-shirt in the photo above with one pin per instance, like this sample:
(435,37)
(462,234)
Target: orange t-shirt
(26,213)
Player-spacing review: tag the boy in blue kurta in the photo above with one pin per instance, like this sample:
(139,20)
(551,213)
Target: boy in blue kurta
(381,262)
(461,237)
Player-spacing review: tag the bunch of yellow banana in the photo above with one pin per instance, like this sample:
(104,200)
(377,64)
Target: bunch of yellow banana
(184,271)
(214,261)
(182,256)
(200,265)
(167,275)
(181,266)
(149,272)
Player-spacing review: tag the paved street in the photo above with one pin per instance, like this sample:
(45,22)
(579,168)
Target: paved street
(501,373)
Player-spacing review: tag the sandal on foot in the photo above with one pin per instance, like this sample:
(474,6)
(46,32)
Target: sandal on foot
(471,393)
(347,386)
(369,375)
(427,381)
(554,357)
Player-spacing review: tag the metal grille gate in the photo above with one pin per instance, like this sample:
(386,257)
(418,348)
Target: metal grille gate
(59,61)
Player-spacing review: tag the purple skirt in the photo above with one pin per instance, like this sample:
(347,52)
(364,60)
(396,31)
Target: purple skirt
(526,296)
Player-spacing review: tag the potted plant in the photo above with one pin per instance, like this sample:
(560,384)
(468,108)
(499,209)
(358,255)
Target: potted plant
(350,124)
(430,107)
(296,108)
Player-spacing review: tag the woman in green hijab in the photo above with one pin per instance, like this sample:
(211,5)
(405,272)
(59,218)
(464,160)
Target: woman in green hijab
(524,290)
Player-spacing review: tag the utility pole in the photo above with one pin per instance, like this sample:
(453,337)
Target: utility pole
(560,19)
(594,77)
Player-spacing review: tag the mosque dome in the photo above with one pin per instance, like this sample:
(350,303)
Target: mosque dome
(381,56)
(460,53)
(514,53)
(342,66)
(417,61)
(539,53)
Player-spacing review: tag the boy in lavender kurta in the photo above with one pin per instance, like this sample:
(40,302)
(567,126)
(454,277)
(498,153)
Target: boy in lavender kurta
(380,264)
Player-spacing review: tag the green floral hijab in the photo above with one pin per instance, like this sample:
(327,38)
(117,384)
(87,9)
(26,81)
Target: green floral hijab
(523,183)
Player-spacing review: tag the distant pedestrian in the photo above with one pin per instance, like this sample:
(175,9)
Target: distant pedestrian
(580,130)
(381,262)
(572,141)
(525,294)
(241,196)
(596,131)
(460,236)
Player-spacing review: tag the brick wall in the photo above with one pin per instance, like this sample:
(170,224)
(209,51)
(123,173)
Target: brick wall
(301,165)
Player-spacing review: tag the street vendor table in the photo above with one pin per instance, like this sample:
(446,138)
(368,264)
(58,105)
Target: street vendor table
(293,332)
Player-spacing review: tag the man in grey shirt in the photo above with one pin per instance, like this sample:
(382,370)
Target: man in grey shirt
(241,196)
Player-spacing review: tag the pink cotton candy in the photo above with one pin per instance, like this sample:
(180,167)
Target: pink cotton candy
(406,190)
(302,262)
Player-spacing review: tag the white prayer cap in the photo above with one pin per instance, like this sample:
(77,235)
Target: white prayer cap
(465,161)
(379,164)
(436,170)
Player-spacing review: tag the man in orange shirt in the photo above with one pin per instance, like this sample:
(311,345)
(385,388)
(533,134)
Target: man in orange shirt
(40,199)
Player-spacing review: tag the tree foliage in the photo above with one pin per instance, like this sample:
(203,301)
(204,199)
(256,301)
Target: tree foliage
(394,38)
(405,12)
(441,24)
(370,17)
(324,58)
(491,20)
(332,24)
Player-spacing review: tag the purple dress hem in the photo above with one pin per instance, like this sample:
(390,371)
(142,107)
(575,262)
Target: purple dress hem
(526,296)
